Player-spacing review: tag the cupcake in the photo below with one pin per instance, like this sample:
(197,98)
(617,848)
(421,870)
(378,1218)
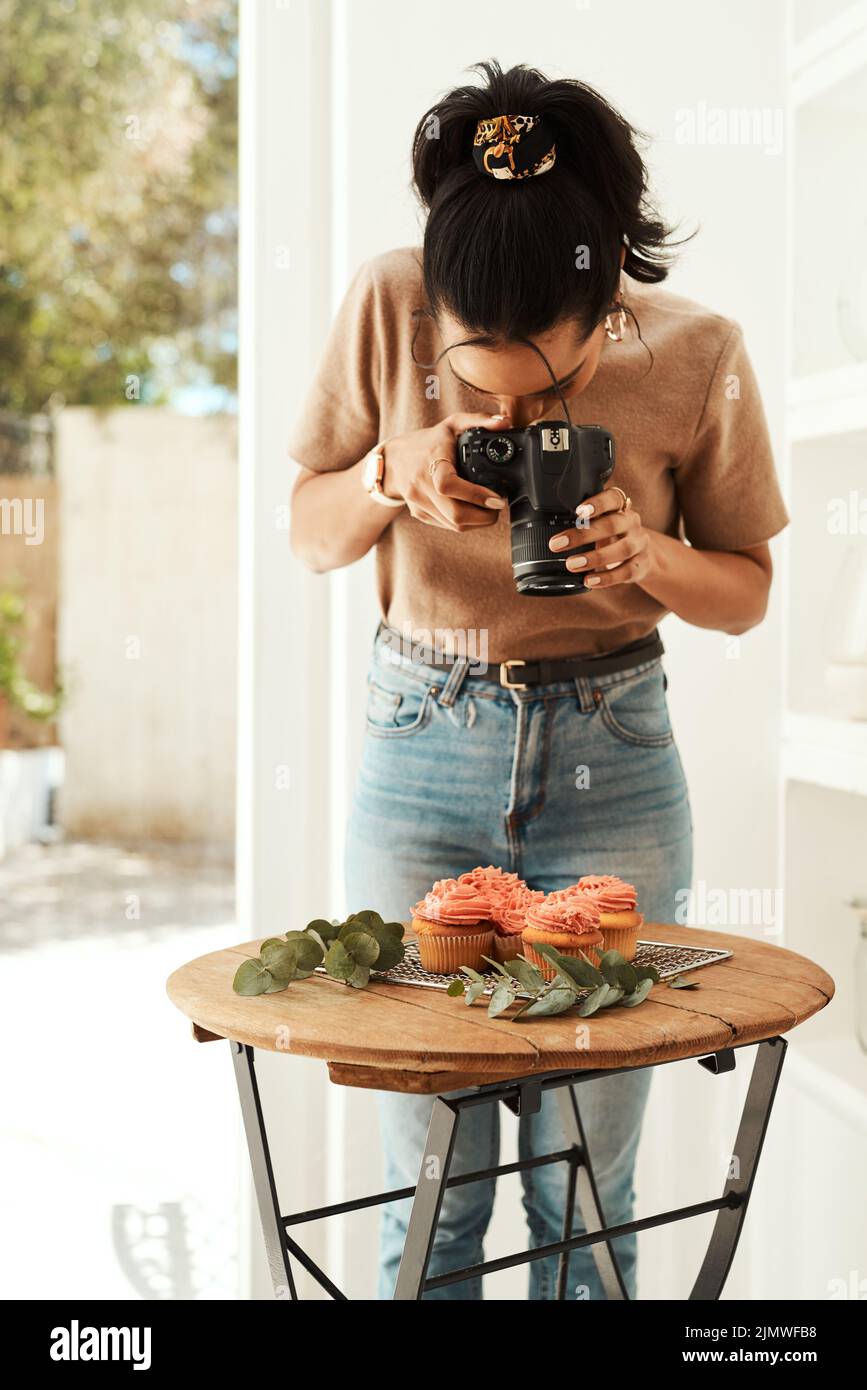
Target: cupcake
(508,894)
(509,913)
(454,927)
(568,920)
(618,920)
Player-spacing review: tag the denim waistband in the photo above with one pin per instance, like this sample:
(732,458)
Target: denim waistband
(448,682)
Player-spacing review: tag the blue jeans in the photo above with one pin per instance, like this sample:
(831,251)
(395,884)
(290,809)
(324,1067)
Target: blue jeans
(552,782)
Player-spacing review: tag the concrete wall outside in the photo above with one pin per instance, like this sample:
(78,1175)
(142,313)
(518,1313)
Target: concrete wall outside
(147,623)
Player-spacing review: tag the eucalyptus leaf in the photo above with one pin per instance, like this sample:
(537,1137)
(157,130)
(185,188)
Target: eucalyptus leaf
(394,929)
(638,995)
(549,952)
(609,964)
(391,947)
(252,978)
(326,930)
(594,1001)
(274,949)
(557,1001)
(647,972)
(391,953)
(475,990)
(360,976)
(310,952)
(585,975)
(455,988)
(528,976)
(682,982)
(270,942)
(498,966)
(313,934)
(338,962)
(367,917)
(363,947)
(614,996)
(627,980)
(282,961)
(470,972)
(501,999)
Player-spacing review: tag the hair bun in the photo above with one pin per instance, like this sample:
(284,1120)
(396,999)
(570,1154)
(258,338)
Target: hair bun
(502,261)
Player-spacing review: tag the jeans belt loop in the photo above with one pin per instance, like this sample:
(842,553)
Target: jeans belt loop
(452,688)
(584,688)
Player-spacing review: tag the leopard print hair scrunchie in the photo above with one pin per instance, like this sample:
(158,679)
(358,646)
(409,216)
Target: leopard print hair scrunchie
(514,147)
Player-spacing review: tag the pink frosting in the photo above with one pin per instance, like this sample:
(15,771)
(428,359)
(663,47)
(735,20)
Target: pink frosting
(510,913)
(566,910)
(609,893)
(480,894)
(454,904)
(495,882)
(508,895)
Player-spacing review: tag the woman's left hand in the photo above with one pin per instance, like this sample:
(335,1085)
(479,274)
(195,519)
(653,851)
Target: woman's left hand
(622,554)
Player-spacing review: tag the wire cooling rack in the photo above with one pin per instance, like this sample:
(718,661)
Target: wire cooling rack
(668,959)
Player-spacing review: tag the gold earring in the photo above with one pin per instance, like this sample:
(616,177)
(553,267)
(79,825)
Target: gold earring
(621,320)
(621,324)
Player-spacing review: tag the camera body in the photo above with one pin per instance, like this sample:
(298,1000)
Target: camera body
(544,471)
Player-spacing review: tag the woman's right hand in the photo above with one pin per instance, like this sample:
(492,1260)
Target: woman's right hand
(420,469)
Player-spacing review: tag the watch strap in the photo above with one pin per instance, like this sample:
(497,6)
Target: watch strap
(374,489)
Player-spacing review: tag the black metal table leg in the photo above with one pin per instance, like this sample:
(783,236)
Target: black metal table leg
(568,1222)
(748,1147)
(523,1095)
(428,1200)
(588,1200)
(263,1173)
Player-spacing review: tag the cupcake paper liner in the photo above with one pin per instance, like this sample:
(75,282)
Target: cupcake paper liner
(443,955)
(507,947)
(622,939)
(548,970)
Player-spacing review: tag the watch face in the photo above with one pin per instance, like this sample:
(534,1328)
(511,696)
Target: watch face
(370,472)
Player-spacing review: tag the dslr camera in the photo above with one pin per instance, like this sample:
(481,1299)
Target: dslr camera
(544,471)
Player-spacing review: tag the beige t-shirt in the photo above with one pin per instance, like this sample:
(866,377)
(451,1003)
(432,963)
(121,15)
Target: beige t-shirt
(691,448)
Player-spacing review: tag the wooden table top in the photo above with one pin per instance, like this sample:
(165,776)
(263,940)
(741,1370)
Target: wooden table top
(402,1038)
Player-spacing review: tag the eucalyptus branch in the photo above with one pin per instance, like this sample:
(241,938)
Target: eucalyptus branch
(577,983)
(348,951)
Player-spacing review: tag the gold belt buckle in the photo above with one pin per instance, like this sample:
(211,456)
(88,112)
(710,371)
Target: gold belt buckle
(504,674)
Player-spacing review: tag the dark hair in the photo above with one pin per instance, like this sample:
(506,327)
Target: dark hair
(500,254)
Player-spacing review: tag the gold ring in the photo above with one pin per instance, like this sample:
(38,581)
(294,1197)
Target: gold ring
(626,502)
(433,463)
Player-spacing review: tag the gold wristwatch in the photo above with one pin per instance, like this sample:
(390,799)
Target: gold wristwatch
(372,474)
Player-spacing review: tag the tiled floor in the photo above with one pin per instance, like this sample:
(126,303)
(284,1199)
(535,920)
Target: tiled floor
(119,1134)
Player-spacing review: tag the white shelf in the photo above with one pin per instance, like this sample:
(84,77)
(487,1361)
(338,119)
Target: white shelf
(825,752)
(832,402)
(829,55)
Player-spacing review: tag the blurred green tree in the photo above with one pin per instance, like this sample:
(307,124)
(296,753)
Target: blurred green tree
(118,200)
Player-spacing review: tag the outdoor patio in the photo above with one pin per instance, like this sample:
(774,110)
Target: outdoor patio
(90,933)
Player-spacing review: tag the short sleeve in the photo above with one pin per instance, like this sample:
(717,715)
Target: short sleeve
(339,420)
(726,484)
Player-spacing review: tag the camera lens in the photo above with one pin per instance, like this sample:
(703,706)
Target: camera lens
(500,449)
(536,569)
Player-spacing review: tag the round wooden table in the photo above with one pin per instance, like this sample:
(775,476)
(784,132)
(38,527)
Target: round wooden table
(402,1038)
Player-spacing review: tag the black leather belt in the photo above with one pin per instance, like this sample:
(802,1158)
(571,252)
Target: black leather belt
(517,674)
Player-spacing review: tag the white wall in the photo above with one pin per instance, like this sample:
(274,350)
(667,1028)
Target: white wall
(147,623)
(380,65)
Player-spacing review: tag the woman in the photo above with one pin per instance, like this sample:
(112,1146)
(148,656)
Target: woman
(537,289)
